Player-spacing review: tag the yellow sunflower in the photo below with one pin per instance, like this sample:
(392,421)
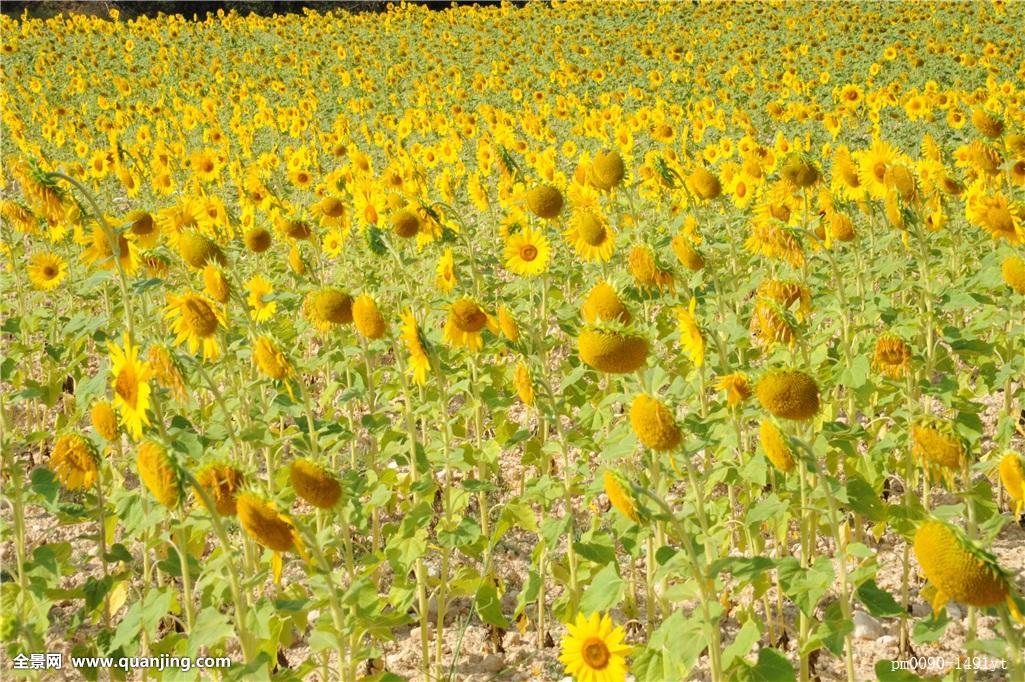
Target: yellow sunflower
(591,236)
(445,278)
(131,392)
(594,650)
(419,361)
(46,270)
(527,252)
(691,340)
(260,308)
(74,462)
(464,324)
(196,319)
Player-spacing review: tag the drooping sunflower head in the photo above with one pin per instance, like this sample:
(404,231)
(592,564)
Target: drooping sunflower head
(986,123)
(264,523)
(737,388)
(167,371)
(103,419)
(899,178)
(591,236)
(646,271)
(74,462)
(788,394)
(160,474)
(419,361)
(604,305)
(258,239)
(269,360)
(314,484)
(545,202)
(957,569)
(607,170)
(612,351)
(841,228)
(1012,476)
(936,443)
(704,184)
(222,482)
(405,223)
(799,171)
(367,317)
(197,250)
(331,306)
(776,446)
(523,385)
(594,650)
(686,253)
(295,229)
(620,494)
(654,424)
(464,324)
(892,356)
(1012,270)
(771,323)
(196,319)
(215,284)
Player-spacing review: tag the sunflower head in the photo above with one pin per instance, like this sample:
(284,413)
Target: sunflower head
(367,317)
(936,443)
(1012,476)
(788,394)
(704,184)
(620,494)
(197,250)
(654,424)
(892,356)
(215,284)
(799,171)
(736,386)
(269,360)
(957,569)
(264,523)
(523,385)
(545,201)
(74,462)
(607,170)
(258,239)
(46,270)
(611,351)
(604,305)
(295,229)
(314,484)
(103,419)
(467,316)
(594,649)
(222,482)
(159,472)
(686,253)
(776,446)
(986,123)
(405,223)
(332,306)
(841,228)
(1012,270)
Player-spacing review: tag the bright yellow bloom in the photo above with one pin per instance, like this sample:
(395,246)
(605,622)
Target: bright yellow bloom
(527,252)
(260,307)
(46,270)
(131,392)
(594,650)
(195,319)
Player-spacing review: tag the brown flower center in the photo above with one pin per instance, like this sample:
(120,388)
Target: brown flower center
(595,653)
(528,252)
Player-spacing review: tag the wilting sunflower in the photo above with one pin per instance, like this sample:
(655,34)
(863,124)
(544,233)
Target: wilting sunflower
(131,392)
(367,317)
(167,371)
(604,305)
(594,650)
(103,420)
(260,307)
(545,202)
(997,215)
(527,252)
(892,356)
(1012,476)
(736,386)
(464,324)
(269,360)
(46,270)
(74,462)
(419,361)
(691,340)
(776,446)
(591,236)
(314,484)
(936,443)
(611,351)
(773,241)
(222,482)
(159,472)
(264,523)
(646,271)
(1012,270)
(215,285)
(523,385)
(704,184)
(100,253)
(507,324)
(686,253)
(771,324)
(197,250)
(445,277)
(620,494)
(196,319)
(654,424)
(788,394)
(607,170)
(957,568)
(328,307)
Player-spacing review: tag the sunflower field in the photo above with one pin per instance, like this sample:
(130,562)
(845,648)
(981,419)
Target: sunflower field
(599,342)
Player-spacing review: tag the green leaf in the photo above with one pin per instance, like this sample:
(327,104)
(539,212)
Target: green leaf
(879,602)
(931,629)
(210,629)
(488,604)
(743,568)
(806,586)
(599,554)
(742,643)
(604,592)
(772,666)
(864,500)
